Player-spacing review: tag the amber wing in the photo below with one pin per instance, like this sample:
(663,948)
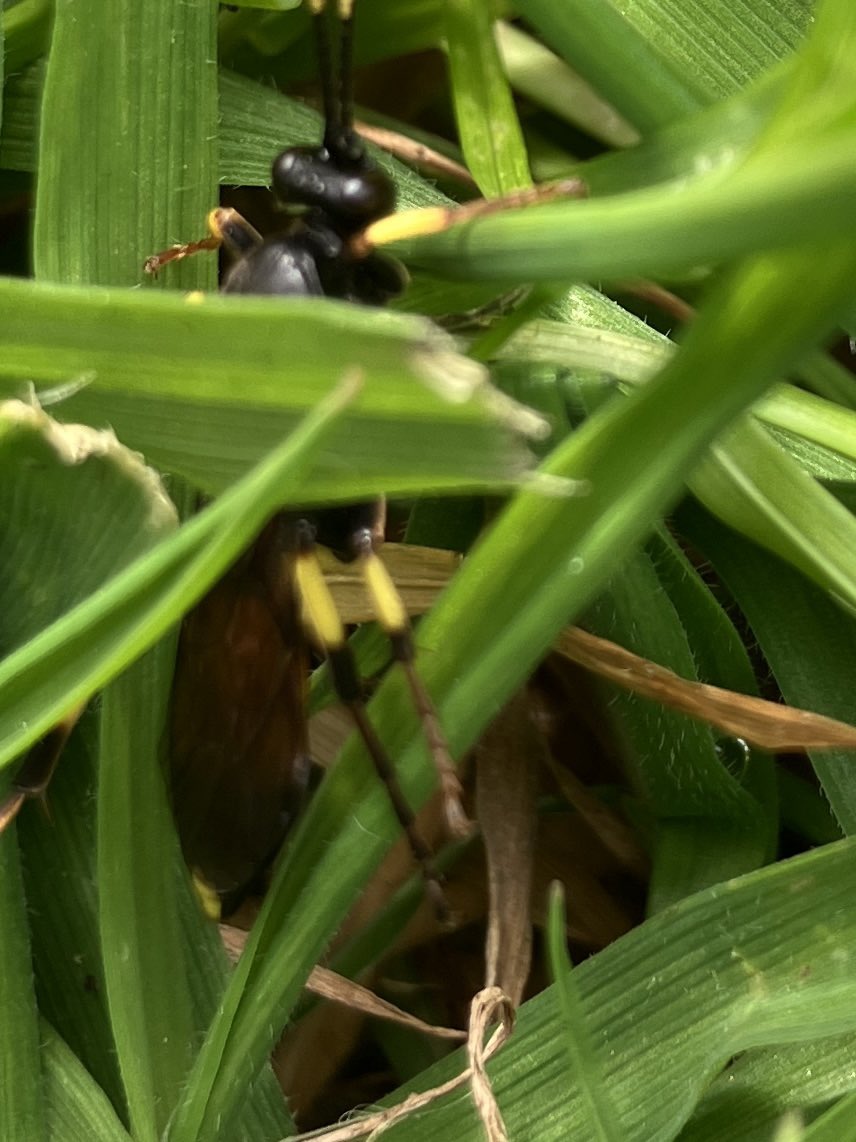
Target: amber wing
(239,763)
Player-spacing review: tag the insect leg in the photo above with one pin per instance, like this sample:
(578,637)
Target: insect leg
(326,625)
(226,227)
(33,777)
(392,615)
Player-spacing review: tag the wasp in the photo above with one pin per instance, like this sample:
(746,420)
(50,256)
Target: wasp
(239,772)
(240,765)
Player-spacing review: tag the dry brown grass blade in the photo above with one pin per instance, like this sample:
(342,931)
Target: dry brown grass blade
(420,574)
(766,724)
(330,985)
(506,762)
(488,1008)
(416,154)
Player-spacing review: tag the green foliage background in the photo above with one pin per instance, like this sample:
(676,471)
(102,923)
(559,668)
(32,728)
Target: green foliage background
(741,188)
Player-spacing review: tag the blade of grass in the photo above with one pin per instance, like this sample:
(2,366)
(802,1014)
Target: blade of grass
(61,881)
(654,232)
(708,826)
(22,1117)
(206,389)
(745,964)
(748,1100)
(600,1122)
(75,656)
(625,67)
(721,48)
(806,638)
(144,965)
(545,79)
(27,32)
(145,115)
(77,1108)
(488,127)
(753,485)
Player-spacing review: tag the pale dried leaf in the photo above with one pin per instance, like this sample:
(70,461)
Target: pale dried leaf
(506,764)
(419,573)
(330,985)
(768,725)
(487,1007)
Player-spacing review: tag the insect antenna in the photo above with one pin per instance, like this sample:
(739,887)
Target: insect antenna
(346,69)
(324,50)
(337,83)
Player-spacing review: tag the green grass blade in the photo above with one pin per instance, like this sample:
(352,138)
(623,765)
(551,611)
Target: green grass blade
(63,665)
(61,879)
(631,73)
(77,1108)
(27,32)
(806,638)
(543,78)
(206,389)
(144,966)
(812,417)
(762,961)
(488,127)
(708,826)
(121,167)
(748,1101)
(721,48)
(654,232)
(753,485)
(22,1117)
(599,1120)
(838,1124)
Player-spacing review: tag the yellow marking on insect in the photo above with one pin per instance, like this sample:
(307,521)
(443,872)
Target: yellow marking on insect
(387,602)
(207,896)
(319,608)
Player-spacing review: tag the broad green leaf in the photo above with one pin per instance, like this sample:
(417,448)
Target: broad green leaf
(116,158)
(69,660)
(205,388)
(762,961)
